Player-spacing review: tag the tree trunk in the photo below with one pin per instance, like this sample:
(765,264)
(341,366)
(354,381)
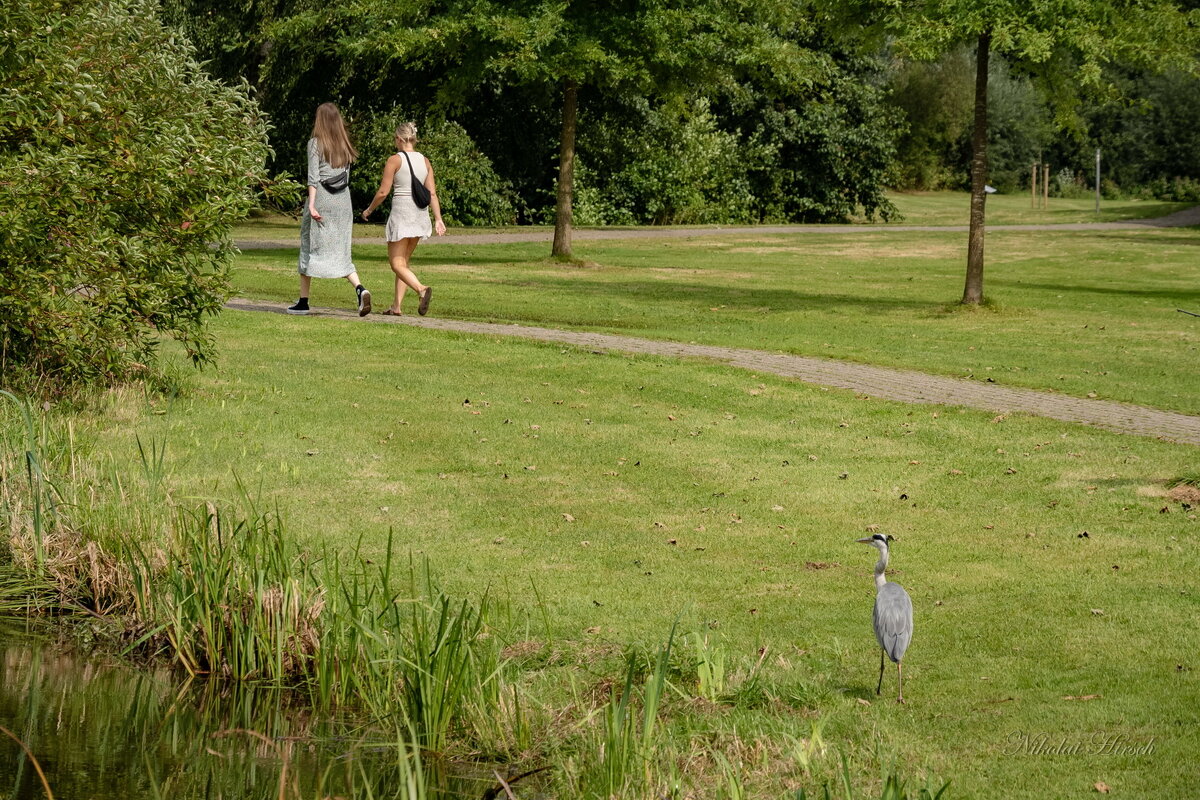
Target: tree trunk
(973,292)
(566,174)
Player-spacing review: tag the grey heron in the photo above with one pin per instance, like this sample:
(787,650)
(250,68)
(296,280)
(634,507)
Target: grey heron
(893,617)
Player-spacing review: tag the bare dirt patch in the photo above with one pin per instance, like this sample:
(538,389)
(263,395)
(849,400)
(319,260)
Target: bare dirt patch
(1185,494)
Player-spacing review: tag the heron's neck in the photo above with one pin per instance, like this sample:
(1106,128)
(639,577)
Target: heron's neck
(880,567)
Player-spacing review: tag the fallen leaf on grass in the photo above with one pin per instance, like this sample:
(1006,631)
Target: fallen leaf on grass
(863,702)
(1081,697)
(568,518)
(872,528)
(1099,612)
(1101,787)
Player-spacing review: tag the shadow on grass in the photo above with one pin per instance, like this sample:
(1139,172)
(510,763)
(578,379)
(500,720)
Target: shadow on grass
(703,296)
(1176,296)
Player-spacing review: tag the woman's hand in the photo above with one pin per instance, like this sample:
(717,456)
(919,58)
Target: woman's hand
(312,212)
(440,227)
(366,213)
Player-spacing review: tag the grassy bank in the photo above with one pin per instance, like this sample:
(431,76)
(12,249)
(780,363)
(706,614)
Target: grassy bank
(604,497)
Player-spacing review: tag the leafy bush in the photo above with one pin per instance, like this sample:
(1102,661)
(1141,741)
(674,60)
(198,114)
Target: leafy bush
(1180,190)
(470,191)
(823,157)
(122,168)
(671,166)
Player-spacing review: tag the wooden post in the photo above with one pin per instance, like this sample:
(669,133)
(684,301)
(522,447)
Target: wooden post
(1045,186)
(1033,192)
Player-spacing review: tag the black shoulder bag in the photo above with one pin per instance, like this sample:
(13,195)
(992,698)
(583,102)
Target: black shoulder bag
(337,183)
(420,194)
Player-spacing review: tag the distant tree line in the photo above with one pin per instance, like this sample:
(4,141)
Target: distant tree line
(698,112)
(854,113)
(1147,128)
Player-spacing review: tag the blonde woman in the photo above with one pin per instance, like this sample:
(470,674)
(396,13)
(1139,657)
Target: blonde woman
(407,224)
(328,222)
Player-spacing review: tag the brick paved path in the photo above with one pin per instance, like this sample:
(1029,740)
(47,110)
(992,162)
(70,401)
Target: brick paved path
(883,382)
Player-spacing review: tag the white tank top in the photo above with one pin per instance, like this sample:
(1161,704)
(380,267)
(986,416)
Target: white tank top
(402,180)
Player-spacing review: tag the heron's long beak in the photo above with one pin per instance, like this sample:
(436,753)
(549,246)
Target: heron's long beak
(868,540)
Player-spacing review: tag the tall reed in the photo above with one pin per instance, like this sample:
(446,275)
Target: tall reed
(35,476)
(622,757)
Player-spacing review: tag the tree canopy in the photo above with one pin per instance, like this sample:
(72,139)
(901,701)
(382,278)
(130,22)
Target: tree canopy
(663,48)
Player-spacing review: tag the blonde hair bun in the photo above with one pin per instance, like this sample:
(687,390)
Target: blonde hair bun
(406,132)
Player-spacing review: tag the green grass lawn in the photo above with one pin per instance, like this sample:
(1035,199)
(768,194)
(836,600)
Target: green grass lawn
(1084,313)
(602,497)
(733,499)
(916,208)
(953,208)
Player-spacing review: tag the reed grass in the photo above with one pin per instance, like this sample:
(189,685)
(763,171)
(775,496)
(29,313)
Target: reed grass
(221,592)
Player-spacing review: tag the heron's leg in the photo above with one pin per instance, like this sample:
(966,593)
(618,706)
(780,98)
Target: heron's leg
(900,679)
(879,688)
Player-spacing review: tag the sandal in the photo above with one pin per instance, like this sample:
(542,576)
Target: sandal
(421,309)
(387,312)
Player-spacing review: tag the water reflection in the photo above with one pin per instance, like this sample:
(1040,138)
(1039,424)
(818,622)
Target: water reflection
(103,730)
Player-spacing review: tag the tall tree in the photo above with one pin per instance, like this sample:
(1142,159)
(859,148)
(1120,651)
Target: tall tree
(1066,41)
(652,47)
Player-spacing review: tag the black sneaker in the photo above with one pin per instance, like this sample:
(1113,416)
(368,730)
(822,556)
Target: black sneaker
(364,303)
(301,307)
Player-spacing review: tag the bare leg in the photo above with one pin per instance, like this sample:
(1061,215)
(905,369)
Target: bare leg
(399,254)
(879,688)
(364,297)
(305,285)
(900,678)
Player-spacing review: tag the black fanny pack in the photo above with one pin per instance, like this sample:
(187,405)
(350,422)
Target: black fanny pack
(337,183)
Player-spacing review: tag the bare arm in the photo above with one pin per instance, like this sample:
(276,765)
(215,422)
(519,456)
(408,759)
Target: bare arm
(314,177)
(434,204)
(385,185)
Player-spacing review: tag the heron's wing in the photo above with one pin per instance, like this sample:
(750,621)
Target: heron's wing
(893,620)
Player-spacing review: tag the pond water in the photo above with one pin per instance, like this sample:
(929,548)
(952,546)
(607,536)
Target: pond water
(102,730)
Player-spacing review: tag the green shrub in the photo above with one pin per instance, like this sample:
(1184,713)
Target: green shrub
(1180,190)
(122,168)
(469,190)
(664,165)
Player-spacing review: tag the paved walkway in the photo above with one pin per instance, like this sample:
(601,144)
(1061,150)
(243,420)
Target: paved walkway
(890,384)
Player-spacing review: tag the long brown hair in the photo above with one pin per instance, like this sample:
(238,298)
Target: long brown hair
(330,132)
